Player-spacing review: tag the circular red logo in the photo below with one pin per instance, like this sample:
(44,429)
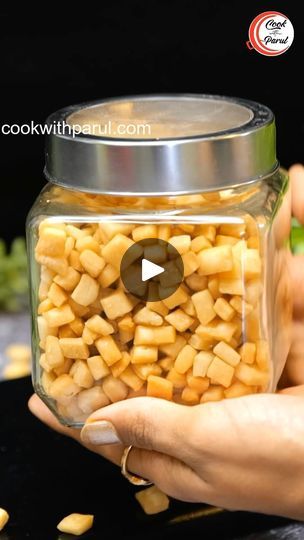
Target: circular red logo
(270,33)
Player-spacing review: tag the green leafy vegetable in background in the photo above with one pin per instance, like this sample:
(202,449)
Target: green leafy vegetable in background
(297,237)
(13,276)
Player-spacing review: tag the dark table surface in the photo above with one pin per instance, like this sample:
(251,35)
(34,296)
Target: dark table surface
(44,476)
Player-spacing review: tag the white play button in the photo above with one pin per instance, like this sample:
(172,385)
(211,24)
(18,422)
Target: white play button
(150,269)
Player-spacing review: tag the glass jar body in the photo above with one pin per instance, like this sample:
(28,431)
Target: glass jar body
(224,333)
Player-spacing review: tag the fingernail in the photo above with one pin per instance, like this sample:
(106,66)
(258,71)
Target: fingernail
(102,432)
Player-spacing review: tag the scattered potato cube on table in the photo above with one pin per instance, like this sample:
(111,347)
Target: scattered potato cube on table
(152,500)
(4,517)
(76,524)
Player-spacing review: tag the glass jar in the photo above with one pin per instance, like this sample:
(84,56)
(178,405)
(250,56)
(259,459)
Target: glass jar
(159,262)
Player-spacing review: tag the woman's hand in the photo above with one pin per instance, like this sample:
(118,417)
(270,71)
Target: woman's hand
(241,454)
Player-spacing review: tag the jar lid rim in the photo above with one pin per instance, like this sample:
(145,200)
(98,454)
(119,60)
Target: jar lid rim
(192,162)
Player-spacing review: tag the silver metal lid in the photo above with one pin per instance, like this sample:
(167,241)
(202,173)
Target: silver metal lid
(163,144)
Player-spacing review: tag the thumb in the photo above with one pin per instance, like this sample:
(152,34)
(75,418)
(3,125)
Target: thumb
(149,423)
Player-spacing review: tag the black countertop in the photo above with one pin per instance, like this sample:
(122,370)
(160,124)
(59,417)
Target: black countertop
(44,476)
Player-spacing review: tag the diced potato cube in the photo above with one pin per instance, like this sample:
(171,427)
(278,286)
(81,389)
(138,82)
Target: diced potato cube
(147,316)
(114,250)
(178,379)
(197,282)
(238,389)
(159,387)
(91,262)
(51,242)
(218,330)
(86,292)
(214,393)
(77,326)
(46,278)
(262,354)
(4,517)
(142,354)
(199,384)
(126,323)
(213,286)
(182,243)
(45,306)
(69,281)
(116,304)
(131,379)
(209,231)
(64,368)
(58,265)
(54,356)
(253,291)
(81,374)
(231,286)
(57,295)
(165,364)
(187,227)
(108,349)
(199,243)
(74,348)
(108,275)
(99,325)
(88,336)
(118,368)
(109,230)
(227,353)
(247,352)
(223,309)
(176,299)
(63,389)
(161,335)
(152,500)
(115,389)
(203,303)
(233,229)
(215,259)
(74,261)
(158,307)
(190,396)
(80,311)
(252,264)
(251,375)
(92,399)
(180,320)
(184,359)
(76,524)
(201,343)
(164,232)
(240,306)
(75,231)
(252,328)
(190,263)
(220,372)
(144,370)
(46,381)
(222,240)
(69,245)
(87,242)
(98,367)
(126,335)
(44,330)
(143,232)
(188,307)
(201,363)
(174,348)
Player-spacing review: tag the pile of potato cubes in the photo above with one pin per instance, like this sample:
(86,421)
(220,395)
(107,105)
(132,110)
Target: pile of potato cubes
(99,344)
